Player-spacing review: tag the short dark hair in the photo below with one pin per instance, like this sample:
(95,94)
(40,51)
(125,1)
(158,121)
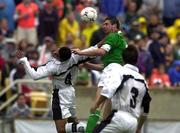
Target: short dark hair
(113,20)
(130,55)
(64,53)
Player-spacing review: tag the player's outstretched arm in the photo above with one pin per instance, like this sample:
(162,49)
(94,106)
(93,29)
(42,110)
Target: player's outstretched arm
(91,66)
(93,52)
(40,72)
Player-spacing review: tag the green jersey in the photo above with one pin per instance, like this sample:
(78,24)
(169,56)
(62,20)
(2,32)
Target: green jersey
(117,44)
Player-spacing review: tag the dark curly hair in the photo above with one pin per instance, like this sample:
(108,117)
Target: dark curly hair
(64,53)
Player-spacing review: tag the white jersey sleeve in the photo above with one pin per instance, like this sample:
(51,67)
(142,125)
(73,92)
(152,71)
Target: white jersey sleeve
(41,72)
(106,47)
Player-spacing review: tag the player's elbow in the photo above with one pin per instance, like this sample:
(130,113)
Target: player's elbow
(101,52)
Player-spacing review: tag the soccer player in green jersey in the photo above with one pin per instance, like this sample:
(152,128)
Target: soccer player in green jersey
(110,48)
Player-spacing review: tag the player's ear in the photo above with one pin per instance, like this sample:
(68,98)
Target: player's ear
(114,27)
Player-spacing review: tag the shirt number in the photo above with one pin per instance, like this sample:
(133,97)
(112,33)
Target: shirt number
(68,79)
(134,93)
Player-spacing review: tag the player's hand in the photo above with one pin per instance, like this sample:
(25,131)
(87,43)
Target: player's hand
(76,51)
(19,54)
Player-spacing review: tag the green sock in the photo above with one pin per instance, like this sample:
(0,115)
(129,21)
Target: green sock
(92,121)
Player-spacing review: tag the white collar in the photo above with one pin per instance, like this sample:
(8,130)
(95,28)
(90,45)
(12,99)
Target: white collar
(119,32)
(132,67)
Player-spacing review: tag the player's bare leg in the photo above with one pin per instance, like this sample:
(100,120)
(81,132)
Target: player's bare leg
(106,109)
(60,125)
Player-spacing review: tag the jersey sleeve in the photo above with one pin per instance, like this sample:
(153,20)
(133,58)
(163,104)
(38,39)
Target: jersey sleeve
(41,72)
(146,103)
(106,47)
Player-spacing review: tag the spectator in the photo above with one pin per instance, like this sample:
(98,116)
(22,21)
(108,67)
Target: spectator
(8,47)
(151,6)
(142,25)
(153,23)
(48,16)
(166,48)
(168,55)
(7,68)
(26,16)
(23,45)
(114,10)
(159,78)
(88,31)
(130,14)
(134,30)
(69,26)
(156,49)
(45,50)
(145,61)
(20,109)
(5,28)
(171,11)
(7,9)
(59,6)
(68,6)
(173,30)
(174,73)
(80,5)
(176,48)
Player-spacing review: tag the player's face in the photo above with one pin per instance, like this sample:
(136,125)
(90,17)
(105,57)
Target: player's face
(107,26)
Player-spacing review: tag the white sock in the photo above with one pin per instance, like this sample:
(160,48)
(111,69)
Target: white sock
(75,128)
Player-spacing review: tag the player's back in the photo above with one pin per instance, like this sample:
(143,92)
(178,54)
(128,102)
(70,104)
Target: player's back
(129,95)
(67,70)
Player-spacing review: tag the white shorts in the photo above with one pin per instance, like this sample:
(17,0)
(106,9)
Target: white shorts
(110,77)
(63,103)
(118,122)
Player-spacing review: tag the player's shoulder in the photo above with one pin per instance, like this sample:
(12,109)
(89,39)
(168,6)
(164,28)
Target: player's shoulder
(113,68)
(132,70)
(115,35)
(74,57)
(112,34)
(53,61)
(115,65)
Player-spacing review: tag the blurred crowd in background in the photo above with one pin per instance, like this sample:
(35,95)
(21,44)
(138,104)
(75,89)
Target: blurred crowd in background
(39,27)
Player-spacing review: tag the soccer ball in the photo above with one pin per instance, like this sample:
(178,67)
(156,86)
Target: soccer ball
(88,14)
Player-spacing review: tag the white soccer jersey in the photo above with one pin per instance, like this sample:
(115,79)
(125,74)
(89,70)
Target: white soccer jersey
(63,73)
(126,88)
